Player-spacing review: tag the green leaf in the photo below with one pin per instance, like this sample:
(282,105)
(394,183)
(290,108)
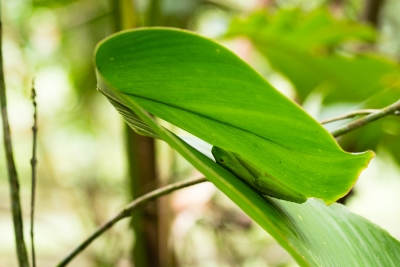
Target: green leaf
(333,236)
(325,236)
(203,88)
(314,234)
(309,49)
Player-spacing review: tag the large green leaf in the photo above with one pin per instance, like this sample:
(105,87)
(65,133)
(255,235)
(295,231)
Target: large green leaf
(205,89)
(308,50)
(313,233)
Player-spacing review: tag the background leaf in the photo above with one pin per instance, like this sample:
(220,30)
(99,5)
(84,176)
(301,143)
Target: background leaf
(309,49)
(203,88)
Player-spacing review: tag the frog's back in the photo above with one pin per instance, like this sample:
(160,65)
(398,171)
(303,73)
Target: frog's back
(254,176)
(277,189)
(269,185)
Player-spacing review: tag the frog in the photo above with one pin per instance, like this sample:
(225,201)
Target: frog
(258,179)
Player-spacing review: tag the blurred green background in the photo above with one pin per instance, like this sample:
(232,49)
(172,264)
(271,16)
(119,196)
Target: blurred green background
(84,146)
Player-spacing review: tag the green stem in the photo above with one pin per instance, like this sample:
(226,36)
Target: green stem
(127,212)
(12,172)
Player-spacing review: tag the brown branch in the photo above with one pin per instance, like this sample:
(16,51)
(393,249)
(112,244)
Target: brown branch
(126,212)
(33,164)
(12,172)
(393,108)
(353,114)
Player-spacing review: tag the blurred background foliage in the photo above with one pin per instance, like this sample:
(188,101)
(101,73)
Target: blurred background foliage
(329,56)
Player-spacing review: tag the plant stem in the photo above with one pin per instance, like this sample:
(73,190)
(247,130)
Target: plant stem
(367,119)
(350,115)
(33,164)
(127,211)
(12,172)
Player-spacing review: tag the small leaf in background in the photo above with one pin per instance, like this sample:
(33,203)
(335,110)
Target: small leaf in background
(309,49)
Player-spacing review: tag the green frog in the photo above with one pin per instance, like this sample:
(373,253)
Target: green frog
(255,177)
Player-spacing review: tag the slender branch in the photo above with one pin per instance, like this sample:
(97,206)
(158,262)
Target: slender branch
(127,211)
(353,114)
(12,172)
(33,164)
(393,108)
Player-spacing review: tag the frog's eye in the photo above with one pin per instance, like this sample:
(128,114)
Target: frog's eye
(221,160)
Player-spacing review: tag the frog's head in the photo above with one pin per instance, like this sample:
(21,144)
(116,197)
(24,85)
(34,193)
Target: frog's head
(222,157)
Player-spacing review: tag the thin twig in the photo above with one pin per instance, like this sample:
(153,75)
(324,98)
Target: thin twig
(395,107)
(12,172)
(33,164)
(353,114)
(127,211)
(349,115)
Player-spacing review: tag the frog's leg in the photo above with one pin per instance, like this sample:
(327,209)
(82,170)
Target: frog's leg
(271,187)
